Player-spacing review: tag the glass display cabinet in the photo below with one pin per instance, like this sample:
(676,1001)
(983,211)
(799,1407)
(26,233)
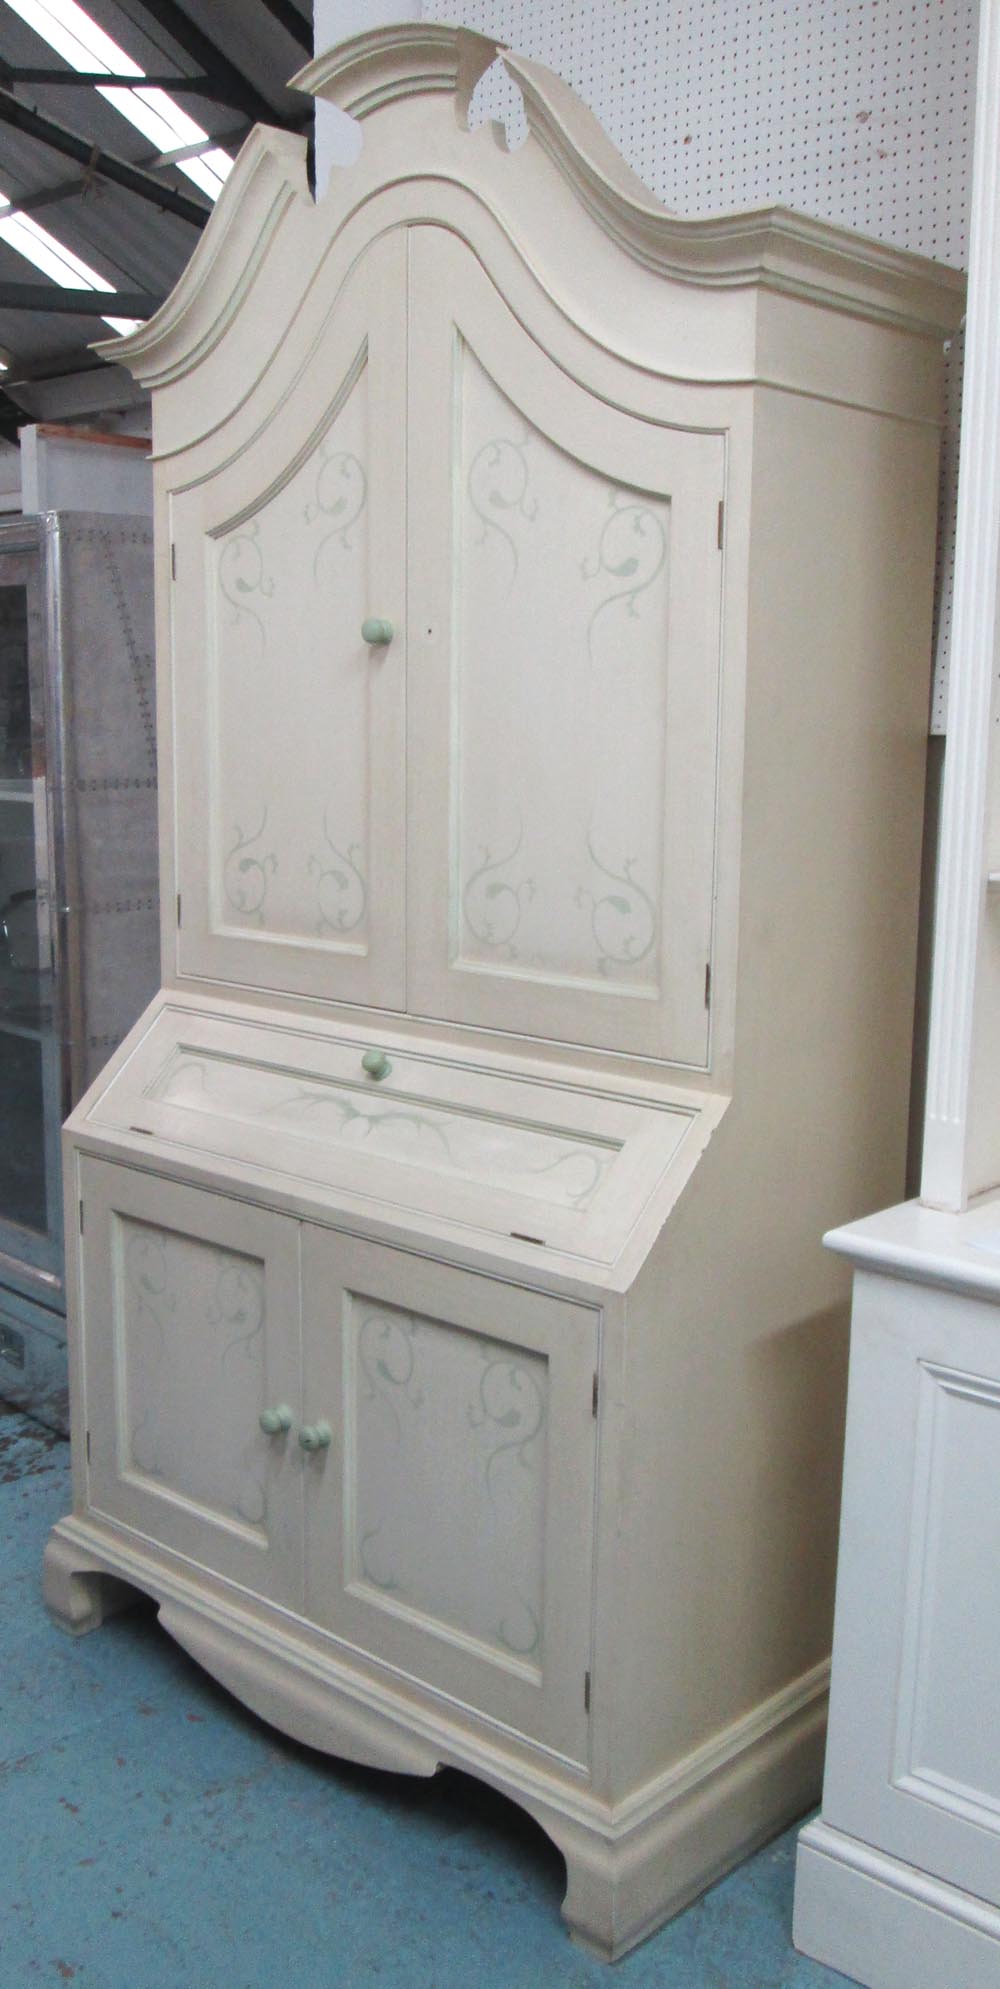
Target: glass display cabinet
(78,890)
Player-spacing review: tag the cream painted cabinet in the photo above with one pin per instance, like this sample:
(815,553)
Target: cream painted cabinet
(455,1541)
(402,1457)
(565,616)
(199,1301)
(543,644)
(290,842)
(551,593)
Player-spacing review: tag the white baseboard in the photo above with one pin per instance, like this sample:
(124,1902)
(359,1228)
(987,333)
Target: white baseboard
(887,1925)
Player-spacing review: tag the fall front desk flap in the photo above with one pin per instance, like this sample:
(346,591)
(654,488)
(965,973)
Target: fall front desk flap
(344,1122)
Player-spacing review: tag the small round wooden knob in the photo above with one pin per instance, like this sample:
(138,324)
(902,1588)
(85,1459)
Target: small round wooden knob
(274,1422)
(315,1436)
(376,1064)
(377,632)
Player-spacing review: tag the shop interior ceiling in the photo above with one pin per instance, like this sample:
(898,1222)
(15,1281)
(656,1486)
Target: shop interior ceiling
(61,147)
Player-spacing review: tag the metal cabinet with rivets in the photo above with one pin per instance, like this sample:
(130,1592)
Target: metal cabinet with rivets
(79,916)
(544,634)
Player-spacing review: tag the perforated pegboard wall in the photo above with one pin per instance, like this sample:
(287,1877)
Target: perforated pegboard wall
(858,111)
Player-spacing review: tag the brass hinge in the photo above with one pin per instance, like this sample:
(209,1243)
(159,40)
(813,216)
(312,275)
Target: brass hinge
(722,515)
(173,562)
(595,1393)
(586,1691)
(708,984)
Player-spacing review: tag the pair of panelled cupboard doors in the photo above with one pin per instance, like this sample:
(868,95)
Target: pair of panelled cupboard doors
(459,623)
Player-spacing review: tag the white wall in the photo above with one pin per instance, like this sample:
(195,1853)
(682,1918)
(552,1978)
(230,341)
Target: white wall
(65,474)
(859,111)
(10,477)
(337,138)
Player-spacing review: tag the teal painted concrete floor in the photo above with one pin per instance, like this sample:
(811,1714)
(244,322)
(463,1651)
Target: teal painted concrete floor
(158,1836)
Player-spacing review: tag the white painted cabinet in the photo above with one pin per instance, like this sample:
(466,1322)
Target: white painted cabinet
(544,634)
(899,1880)
(928,1655)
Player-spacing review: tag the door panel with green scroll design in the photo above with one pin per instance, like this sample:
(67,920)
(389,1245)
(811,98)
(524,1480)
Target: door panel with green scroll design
(565,694)
(449,1522)
(191,1337)
(289,798)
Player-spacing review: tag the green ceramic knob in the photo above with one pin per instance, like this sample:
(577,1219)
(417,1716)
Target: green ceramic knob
(377,632)
(376,1063)
(315,1436)
(274,1422)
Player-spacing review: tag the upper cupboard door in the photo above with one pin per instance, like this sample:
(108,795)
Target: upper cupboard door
(565,642)
(289,726)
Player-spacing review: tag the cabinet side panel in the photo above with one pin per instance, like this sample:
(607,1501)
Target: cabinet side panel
(737,1332)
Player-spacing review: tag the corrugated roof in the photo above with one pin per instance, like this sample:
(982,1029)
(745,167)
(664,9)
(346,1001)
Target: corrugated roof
(132,243)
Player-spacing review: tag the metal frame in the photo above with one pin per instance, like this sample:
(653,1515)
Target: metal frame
(216,79)
(78,303)
(61,139)
(89,577)
(30,1263)
(227,82)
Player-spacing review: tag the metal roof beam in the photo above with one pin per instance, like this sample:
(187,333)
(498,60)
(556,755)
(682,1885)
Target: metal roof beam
(92,78)
(51,196)
(48,196)
(223,74)
(224,139)
(289,18)
(48,132)
(79,303)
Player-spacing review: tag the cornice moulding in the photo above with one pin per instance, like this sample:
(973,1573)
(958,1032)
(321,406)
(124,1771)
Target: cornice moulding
(773,246)
(411,59)
(270,172)
(768,248)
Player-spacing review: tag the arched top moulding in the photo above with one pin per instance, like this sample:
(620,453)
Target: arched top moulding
(409,86)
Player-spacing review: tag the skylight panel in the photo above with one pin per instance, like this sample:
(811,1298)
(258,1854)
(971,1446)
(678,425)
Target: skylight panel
(70,31)
(23,234)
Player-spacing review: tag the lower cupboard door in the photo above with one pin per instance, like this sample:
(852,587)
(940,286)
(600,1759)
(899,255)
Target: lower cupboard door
(190,1323)
(449,1522)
